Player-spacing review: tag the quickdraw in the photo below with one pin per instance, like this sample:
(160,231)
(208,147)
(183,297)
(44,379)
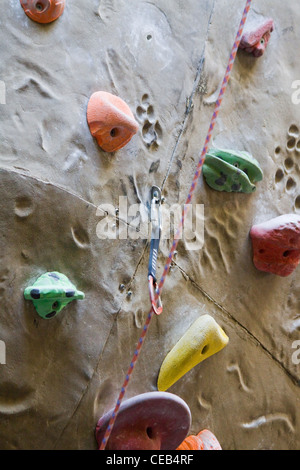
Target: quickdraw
(155,217)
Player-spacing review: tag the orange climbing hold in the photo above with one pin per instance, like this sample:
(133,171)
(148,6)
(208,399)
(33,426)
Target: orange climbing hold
(205,440)
(110,121)
(43,11)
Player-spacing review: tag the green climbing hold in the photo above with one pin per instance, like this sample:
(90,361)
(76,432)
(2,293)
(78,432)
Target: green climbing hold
(231,171)
(50,293)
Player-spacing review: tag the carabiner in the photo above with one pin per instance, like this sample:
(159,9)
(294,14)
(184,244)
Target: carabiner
(156,307)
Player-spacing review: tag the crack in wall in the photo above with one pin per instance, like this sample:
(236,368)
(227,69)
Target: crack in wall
(234,320)
(115,318)
(190,105)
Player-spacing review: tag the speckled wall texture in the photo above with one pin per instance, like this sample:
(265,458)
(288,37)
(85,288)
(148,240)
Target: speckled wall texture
(60,376)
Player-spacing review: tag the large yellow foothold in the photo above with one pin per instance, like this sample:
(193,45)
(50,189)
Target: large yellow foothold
(203,339)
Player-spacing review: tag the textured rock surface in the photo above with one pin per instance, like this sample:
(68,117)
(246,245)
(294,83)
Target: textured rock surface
(62,375)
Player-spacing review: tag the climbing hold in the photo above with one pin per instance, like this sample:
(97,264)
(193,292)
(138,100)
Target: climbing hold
(150,421)
(110,121)
(50,293)
(203,339)
(256,37)
(231,171)
(276,245)
(205,440)
(43,11)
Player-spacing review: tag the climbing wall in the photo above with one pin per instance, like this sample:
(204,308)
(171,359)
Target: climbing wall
(166,59)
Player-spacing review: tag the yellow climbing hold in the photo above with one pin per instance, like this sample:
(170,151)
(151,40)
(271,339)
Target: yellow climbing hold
(203,339)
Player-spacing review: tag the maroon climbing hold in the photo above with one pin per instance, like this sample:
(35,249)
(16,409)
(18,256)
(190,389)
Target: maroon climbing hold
(150,421)
(276,245)
(256,37)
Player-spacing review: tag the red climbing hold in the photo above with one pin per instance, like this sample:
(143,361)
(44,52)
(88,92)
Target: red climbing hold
(276,245)
(256,37)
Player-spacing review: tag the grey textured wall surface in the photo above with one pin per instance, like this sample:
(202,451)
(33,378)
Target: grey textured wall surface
(160,57)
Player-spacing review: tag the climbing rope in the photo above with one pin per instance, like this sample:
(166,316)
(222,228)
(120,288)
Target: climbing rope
(181,224)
